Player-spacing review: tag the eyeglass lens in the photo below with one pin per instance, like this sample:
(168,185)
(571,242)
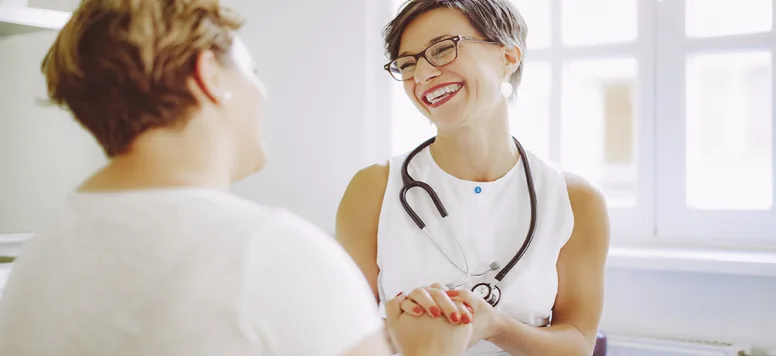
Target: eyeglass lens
(438,54)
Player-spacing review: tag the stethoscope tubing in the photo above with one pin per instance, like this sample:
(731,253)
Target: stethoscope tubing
(408,183)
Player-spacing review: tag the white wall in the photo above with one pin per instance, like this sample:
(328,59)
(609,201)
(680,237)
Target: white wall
(322,65)
(43,153)
(323,115)
(691,305)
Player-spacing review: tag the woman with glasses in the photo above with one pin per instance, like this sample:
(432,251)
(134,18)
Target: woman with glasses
(444,222)
(152,255)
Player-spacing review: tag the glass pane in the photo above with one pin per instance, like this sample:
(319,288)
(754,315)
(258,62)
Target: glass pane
(530,112)
(727,17)
(44,153)
(585,23)
(598,128)
(537,15)
(729,143)
(409,127)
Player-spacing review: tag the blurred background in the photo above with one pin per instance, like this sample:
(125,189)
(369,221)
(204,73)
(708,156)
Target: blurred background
(666,105)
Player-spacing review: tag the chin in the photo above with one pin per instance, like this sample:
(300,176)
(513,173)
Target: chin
(448,123)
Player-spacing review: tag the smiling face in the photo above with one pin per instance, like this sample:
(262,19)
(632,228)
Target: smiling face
(465,89)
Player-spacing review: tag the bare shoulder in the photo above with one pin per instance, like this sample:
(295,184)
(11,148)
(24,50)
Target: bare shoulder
(582,193)
(591,215)
(365,189)
(374,176)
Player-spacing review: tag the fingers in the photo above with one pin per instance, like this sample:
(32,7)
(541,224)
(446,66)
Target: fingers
(409,306)
(448,307)
(455,305)
(422,297)
(393,307)
(466,312)
(438,286)
(466,297)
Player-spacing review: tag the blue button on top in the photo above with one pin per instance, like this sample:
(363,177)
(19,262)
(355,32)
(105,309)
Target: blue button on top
(478,190)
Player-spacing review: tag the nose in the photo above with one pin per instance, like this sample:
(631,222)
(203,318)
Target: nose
(424,71)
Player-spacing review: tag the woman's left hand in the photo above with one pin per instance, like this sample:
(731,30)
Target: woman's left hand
(485,316)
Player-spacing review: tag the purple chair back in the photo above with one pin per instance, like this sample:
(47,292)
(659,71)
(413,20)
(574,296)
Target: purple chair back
(600,344)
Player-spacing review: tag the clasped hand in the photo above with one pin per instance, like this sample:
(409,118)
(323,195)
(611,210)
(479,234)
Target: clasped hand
(433,320)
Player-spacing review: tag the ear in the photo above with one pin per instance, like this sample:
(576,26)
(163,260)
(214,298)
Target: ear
(208,75)
(513,56)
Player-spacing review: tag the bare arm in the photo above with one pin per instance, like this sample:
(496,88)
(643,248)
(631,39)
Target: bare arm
(357,218)
(373,345)
(376,345)
(581,265)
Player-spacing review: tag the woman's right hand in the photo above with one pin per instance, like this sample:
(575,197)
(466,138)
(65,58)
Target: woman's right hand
(425,335)
(434,301)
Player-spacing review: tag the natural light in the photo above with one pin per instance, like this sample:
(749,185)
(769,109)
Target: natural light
(603,100)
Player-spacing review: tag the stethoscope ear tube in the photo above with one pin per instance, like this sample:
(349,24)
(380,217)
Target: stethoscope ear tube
(410,183)
(489,291)
(431,193)
(534,213)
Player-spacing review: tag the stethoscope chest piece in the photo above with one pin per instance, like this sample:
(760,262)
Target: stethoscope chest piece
(491,293)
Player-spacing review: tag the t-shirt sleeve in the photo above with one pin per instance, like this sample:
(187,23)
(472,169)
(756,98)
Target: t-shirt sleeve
(304,295)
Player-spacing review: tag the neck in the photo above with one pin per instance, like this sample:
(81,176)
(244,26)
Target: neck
(163,158)
(482,154)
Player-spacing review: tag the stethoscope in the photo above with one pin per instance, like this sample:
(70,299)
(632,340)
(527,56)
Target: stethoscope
(488,291)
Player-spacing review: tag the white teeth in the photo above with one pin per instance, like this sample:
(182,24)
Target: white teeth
(435,96)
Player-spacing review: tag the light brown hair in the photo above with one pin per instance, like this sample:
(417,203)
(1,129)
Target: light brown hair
(121,66)
(498,20)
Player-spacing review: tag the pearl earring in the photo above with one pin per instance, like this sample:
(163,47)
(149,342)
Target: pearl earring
(506,89)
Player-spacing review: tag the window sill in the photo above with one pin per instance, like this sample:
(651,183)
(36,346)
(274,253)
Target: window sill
(11,244)
(730,262)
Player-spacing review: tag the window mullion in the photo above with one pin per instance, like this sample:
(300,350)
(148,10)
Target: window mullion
(669,115)
(554,124)
(773,103)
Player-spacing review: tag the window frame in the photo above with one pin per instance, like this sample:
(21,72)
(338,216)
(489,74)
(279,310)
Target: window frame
(660,216)
(674,220)
(634,224)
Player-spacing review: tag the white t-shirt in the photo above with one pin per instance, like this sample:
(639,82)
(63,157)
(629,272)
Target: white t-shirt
(183,272)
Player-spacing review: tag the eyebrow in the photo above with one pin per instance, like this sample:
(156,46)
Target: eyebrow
(437,38)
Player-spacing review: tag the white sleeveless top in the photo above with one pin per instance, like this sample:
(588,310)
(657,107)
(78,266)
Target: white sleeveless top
(491,219)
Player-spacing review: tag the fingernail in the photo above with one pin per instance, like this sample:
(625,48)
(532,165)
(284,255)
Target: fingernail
(400,293)
(454,317)
(465,319)
(418,310)
(435,311)
(452,293)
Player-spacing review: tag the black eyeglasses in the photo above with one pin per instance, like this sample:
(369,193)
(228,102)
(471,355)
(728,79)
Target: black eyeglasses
(438,54)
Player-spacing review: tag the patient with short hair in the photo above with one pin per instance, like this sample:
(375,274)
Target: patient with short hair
(152,255)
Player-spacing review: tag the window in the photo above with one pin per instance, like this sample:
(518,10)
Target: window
(666,105)
(714,121)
